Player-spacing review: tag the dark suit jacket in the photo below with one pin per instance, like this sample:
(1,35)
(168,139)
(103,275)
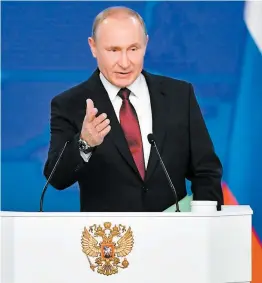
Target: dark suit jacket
(110,180)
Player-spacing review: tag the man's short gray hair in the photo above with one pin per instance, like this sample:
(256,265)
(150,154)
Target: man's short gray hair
(111,11)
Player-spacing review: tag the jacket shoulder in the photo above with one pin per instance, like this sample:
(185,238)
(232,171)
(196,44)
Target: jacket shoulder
(171,81)
(170,85)
(69,95)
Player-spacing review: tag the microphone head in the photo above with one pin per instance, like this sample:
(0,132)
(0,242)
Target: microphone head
(151,138)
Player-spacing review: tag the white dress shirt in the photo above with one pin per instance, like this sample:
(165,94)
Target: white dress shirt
(140,99)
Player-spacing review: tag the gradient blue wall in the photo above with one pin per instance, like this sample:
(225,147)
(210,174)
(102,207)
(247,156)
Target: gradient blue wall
(45,51)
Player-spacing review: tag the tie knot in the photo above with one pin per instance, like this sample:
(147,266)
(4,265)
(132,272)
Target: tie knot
(124,93)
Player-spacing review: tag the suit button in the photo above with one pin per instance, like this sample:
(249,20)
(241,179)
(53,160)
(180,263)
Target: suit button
(145,189)
(77,167)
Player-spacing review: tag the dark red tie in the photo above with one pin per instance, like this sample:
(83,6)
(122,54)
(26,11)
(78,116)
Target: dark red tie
(130,126)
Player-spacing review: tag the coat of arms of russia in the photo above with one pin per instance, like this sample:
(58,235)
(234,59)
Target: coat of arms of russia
(108,245)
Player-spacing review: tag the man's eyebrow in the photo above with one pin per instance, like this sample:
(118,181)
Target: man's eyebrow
(135,45)
(118,47)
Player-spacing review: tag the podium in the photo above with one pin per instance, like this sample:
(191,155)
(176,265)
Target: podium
(199,246)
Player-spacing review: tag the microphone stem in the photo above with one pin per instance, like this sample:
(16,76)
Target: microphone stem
(48,180)
(168,178)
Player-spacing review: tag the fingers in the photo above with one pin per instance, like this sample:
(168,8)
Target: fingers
(98,122)
(102,125)
(99,119)
(105,131)
(94,129)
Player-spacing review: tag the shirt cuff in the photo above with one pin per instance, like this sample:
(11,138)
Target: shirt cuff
(85,156)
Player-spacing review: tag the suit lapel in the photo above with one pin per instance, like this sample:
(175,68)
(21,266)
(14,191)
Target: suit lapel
(159,110)
(103,104)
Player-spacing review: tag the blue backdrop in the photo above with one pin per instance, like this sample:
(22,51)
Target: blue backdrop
(45,51)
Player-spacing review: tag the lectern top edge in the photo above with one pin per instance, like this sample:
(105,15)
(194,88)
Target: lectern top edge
(230,211)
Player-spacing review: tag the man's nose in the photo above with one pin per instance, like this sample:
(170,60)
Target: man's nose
(124,60)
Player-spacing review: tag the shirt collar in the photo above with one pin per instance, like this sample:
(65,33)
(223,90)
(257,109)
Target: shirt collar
(112,90)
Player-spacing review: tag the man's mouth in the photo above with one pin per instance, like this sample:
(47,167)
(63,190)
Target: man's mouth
(123,73)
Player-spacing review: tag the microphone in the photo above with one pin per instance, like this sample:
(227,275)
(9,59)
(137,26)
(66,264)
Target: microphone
(151,140)
(50,177)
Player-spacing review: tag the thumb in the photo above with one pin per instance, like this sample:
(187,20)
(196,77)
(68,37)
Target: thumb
(90,110)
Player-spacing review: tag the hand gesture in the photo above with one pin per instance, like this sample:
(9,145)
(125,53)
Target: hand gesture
(94,129)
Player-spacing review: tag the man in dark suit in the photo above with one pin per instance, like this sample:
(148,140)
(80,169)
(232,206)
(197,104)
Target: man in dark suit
(107,118)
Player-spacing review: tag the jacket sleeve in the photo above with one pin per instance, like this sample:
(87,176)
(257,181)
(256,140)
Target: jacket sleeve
(62,130)
(205,170)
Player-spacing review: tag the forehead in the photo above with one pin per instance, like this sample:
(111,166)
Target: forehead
(120,31)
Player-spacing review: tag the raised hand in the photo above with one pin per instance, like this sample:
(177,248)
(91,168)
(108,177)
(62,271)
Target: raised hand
(94,129)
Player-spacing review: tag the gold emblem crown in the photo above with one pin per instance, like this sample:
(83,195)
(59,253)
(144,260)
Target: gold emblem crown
(115,243)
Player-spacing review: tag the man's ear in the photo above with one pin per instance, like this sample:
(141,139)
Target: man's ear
(146,42)
(92,45)
(147,38)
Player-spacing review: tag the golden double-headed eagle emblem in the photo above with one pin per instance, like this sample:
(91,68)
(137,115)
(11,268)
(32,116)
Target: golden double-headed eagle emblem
(110,252)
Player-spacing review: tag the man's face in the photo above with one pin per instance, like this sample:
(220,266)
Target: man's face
(119,48)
